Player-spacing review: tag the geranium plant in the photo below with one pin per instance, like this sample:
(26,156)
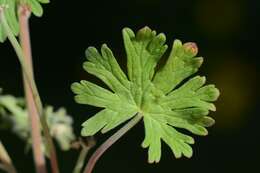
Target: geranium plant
(165,99)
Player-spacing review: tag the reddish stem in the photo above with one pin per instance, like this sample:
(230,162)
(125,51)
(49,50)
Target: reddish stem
(35,117)
(32,111)
(110,141)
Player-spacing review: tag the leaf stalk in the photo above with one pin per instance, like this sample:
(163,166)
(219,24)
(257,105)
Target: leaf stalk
(110,141)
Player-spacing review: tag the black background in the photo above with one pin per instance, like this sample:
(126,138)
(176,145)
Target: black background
(225,31)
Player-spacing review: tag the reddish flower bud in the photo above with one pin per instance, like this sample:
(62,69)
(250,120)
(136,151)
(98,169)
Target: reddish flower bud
(191,48)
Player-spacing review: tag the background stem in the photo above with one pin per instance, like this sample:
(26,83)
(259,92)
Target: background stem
(81,160)
(38,154)
(31,83)
(85,144)
(24,13)
(110,141)
(5,160)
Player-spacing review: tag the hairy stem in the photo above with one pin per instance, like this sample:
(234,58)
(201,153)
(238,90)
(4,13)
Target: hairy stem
(110,141)
(38,154)
(6,164)
(33,88)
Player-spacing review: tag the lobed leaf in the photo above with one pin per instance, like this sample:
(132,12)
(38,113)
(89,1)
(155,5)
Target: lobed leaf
(180,65)
(143,52)
(106,120)
(165,101)
(92,94)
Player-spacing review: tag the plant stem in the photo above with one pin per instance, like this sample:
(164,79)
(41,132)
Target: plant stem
(85,144)
(110,141)
(7,164)
(34,90)
(32,110)
(24,15)
(81,160)
(20,56)
(82,156)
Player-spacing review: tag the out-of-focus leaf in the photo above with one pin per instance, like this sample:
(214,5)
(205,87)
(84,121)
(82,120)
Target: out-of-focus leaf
(60,125)
(14,116)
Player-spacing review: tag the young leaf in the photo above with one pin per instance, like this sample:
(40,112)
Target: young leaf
(35,6)
(160,97)
(8,7)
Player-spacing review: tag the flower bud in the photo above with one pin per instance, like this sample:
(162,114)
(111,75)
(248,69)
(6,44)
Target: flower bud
(191,48)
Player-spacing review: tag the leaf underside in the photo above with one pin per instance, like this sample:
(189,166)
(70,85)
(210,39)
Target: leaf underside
(165,101)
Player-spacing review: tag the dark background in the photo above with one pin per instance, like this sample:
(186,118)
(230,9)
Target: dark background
(225,31)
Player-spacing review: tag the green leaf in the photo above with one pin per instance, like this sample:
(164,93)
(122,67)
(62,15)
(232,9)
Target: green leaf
(36,7)
(44,1)
(9,8)
(166,99)
(180,65)
(10,12)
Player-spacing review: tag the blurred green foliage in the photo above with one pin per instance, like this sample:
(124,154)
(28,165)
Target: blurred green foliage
(14,116)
